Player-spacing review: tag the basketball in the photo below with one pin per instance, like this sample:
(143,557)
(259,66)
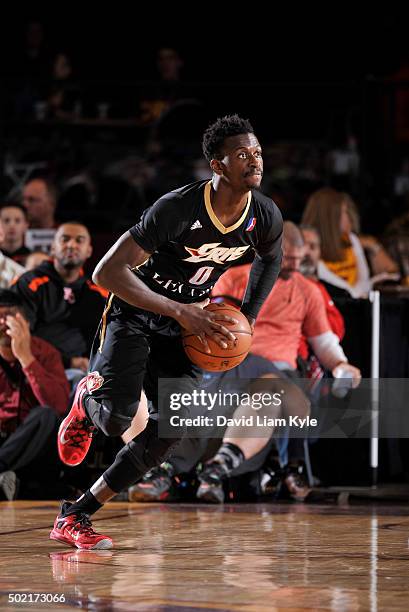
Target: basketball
(220,359)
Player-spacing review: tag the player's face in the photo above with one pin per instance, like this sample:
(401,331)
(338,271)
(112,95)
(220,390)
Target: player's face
(72,245)
(242,163)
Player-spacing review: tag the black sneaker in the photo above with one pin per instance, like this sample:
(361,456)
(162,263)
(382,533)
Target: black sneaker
(296,482)
(154,486)
(211,483)
(270,479)
(9,485)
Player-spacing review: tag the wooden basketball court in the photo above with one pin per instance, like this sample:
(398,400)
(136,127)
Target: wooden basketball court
(193,557)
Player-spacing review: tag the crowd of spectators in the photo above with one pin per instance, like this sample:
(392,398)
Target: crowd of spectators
(51,305)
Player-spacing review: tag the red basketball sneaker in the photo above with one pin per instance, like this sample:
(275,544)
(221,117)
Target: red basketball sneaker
(76,530)
(75,432)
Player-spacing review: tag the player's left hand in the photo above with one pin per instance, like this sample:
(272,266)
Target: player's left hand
(206,324)
(19,332)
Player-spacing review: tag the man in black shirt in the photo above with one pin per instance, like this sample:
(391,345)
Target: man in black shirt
(63,306)
(160,273)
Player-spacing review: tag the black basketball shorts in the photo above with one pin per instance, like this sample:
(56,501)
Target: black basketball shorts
(132,350)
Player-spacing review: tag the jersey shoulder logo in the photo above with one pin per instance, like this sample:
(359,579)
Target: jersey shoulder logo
(251,224)
(214,252)
(196,225)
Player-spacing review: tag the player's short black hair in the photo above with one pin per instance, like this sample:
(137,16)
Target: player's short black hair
(222,128)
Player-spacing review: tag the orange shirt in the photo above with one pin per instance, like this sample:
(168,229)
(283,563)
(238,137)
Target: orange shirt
(294,307)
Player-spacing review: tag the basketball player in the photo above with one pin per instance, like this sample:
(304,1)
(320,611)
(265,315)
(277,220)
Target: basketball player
(160,274)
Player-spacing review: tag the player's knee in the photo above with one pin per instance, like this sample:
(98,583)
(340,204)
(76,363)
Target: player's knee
(113,425)
(112,430)
(108,417)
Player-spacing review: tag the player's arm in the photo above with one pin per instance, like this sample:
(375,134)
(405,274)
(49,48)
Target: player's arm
(114,273)
(264,270)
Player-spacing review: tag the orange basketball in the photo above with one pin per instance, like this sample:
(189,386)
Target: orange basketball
(220,359)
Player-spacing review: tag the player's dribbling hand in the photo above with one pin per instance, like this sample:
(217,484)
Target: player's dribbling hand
(205,324)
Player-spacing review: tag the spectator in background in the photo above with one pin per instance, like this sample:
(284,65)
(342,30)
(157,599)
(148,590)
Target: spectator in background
(294,307)
(310,263)
(380,262)
(64,96)
(169,64)
(166,89)
(309,268)
(34,58)
(9,269)
(14,224)
(343,262)
(62,305)
(33,397)
(40,201)
(397,240)
(35,259)
(31,67)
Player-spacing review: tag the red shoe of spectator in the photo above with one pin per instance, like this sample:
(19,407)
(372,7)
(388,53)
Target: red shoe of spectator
(76,530)
(75,432)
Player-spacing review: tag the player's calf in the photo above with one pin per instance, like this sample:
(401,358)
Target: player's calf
(141,454)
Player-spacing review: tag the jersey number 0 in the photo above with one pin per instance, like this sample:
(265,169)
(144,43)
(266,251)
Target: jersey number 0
(201,275)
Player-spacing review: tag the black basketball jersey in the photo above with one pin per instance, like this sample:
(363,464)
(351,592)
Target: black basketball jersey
(191,248)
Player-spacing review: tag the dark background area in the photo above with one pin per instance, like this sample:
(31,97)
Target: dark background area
(298,74)
(251,44)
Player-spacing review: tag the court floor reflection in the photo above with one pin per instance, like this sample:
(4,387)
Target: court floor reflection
(248,557)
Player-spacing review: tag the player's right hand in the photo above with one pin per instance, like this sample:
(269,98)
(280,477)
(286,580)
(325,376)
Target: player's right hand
(205,324)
